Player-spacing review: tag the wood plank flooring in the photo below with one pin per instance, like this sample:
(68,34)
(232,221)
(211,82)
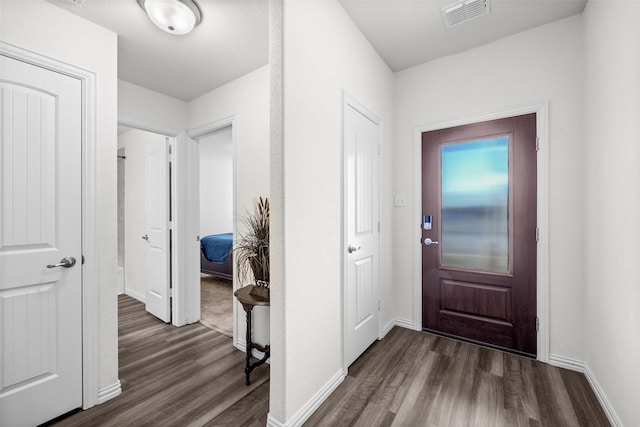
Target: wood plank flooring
(188,376)
(418,379)
(192,376)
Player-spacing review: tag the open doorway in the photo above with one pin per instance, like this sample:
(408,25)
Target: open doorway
(143,219)
(216,175)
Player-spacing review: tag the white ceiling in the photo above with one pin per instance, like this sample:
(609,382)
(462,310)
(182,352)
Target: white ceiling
(406,33)
(232,39)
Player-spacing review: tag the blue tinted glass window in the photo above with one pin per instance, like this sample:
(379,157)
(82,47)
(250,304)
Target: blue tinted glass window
(475,201)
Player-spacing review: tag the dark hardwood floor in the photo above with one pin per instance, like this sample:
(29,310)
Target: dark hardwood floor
(177,377)
(193,376)
(418,379)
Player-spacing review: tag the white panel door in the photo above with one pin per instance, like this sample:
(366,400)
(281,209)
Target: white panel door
(361,138)
(157,282)
(40,204)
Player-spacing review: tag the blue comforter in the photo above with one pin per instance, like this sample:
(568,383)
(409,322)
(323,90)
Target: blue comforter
(217,247)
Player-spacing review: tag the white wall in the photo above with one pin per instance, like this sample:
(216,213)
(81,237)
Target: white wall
(537,65)
(150,107)
(324,54)
(135,143)
(247,99)
(48,30)
(612,203)
(216,182)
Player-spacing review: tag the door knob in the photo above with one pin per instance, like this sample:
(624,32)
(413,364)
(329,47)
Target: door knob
(66,262)
(430,242)
(351,249)
(146,237)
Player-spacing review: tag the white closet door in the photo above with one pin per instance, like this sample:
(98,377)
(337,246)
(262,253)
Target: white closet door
(40,204)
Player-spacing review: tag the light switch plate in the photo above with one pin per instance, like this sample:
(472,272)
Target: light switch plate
(400,200)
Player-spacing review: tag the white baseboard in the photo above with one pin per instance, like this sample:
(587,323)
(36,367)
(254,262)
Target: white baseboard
(312,404)
(602,398)
(580,366)
(109,392)
(397,321)
(135,295)
(242,345)
(405,323)
(566,363)
(272,422)
(387,328)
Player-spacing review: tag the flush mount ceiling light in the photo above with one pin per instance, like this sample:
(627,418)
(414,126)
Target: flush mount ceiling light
(463,11)
(173,16)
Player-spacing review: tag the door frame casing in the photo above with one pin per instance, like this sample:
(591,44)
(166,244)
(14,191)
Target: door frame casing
(176,268)
(90,284)
(542,168)
(351,102)
(192,303)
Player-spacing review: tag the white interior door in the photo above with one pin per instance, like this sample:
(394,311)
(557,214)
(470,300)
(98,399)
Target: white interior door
(361,139)
(157,279)
(40,203)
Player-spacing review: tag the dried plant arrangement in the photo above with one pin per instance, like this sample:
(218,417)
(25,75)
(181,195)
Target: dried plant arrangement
(252,246)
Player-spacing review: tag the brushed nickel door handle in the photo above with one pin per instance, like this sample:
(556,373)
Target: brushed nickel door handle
(351,249)
(66,262)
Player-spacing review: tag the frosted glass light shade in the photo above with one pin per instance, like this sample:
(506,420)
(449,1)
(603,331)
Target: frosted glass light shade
(173,16)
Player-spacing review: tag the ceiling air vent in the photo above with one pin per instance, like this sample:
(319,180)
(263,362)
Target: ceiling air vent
(463,11)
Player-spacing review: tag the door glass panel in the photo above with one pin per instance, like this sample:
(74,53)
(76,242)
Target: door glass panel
(475,201)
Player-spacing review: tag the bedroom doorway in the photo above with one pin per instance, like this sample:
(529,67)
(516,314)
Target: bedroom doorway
(217,213)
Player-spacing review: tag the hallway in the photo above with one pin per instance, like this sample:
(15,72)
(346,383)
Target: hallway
(171,376)
(193,376)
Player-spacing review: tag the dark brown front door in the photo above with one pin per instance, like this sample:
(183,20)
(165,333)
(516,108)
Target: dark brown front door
(479,232)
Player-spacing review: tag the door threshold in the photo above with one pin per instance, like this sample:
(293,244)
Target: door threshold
(480,343)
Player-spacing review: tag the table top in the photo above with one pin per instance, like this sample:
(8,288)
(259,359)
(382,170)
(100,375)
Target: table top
(244,296)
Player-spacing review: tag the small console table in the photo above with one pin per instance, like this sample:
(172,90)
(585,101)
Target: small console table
(249,301)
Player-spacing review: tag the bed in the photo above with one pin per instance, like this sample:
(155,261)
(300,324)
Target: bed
(215,255)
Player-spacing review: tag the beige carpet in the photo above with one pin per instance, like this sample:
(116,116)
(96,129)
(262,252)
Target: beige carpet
(216,299)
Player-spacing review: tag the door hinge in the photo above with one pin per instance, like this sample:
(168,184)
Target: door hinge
(537,234)
(378,226)
(537,143)
(537,324)
(171,293)
(82,259)
(379,305)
